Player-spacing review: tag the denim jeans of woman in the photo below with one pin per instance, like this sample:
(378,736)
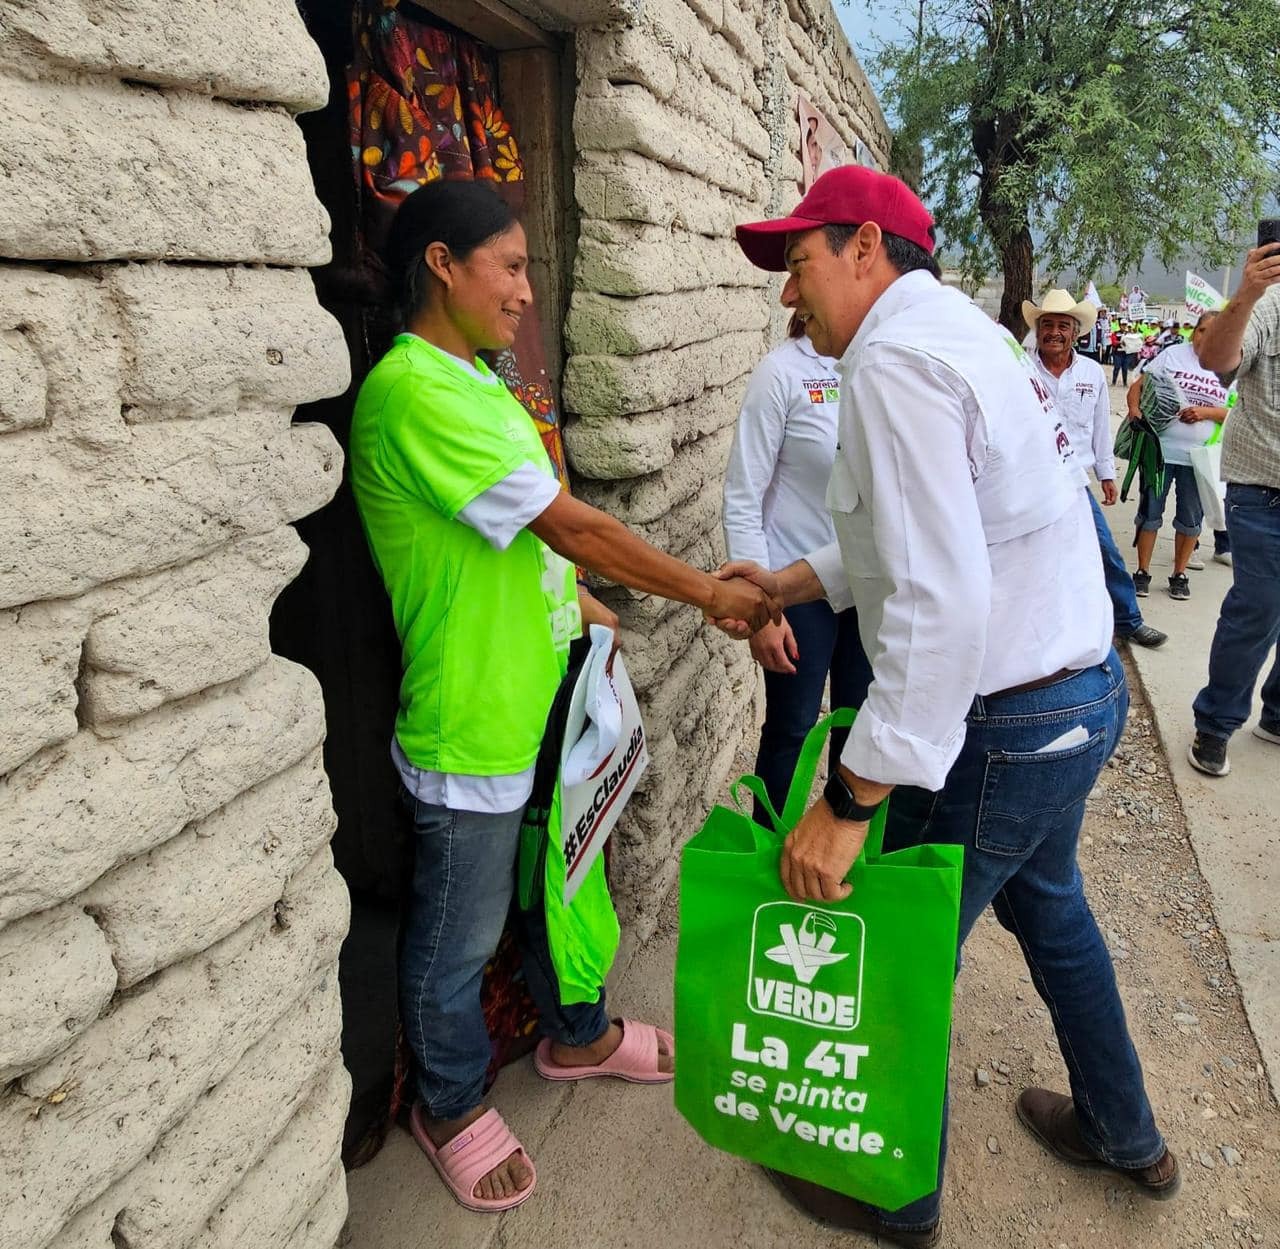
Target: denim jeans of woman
(1016,804)
(828,641)
(463,881)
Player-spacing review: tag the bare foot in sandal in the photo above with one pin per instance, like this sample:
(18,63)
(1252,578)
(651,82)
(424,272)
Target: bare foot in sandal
(508,1178)
(604,1047)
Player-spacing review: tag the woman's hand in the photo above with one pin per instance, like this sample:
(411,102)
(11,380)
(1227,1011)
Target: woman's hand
(595,612)
(774,648)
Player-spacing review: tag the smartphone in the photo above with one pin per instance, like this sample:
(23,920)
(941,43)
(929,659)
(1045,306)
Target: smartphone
(1268,231)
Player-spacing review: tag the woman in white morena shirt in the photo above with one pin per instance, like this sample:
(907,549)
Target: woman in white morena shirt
(775,512)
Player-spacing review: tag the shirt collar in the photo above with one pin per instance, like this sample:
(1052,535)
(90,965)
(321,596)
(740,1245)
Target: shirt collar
(1044,368)
(806,348)
(477,370)
(903,293)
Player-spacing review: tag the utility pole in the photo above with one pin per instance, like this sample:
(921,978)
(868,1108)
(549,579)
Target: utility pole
(1226,282)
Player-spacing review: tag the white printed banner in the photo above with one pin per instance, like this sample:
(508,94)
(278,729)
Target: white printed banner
(1200,296)
(604,756)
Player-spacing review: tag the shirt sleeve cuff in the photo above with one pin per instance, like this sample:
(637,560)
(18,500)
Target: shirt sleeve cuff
(1106,470)
(876,751)
(829,569)
(740,546)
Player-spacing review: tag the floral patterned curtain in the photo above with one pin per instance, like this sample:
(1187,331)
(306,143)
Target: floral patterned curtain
(422,105)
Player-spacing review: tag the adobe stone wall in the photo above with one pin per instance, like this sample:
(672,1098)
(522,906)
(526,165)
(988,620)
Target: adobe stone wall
(684,126)
(169,914)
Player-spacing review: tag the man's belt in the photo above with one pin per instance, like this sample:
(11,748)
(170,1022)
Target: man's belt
(1062,674)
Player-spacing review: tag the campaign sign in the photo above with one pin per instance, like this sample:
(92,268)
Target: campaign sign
(604,756)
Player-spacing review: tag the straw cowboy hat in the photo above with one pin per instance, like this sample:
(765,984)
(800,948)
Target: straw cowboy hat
(1060,302)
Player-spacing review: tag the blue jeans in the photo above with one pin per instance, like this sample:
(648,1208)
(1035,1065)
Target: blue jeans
(1249,622)
(1018,812)
(463,881)
(1124,598)
(1121,363)
(828,642)
(1188,515)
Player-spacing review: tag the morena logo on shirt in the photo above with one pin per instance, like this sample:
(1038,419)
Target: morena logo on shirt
(822,390)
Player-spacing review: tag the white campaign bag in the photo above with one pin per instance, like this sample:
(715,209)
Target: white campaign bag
(1206,463)
(605,753)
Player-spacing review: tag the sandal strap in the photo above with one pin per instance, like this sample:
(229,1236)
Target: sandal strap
(477,1150)
(638,1050)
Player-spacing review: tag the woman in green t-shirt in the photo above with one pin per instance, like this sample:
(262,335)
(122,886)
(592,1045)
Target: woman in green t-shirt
(476,544)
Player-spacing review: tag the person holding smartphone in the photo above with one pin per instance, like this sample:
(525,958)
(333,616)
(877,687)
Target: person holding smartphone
(1243,345)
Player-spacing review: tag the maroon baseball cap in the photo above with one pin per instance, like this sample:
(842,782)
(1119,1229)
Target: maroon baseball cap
(849,195)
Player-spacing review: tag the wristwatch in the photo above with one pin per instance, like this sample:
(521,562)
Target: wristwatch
(841,800)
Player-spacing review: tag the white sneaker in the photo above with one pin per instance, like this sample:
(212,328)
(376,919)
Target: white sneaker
(1196,564)
(1267,734)
(1223,557)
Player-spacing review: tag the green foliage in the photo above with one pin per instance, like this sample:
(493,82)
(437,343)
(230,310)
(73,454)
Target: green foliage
(1105,128)
(1111,293)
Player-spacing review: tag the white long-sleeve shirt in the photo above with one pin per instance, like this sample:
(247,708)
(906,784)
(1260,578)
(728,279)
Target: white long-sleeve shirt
(964,537)
(1084,404)
(775,486)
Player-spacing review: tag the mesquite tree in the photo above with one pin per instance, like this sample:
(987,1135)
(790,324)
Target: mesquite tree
(1083,132)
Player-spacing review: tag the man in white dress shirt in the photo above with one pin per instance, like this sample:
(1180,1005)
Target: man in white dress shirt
(1079,389)
(966,544)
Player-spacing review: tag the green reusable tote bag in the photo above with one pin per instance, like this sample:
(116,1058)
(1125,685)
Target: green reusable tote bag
(814,1036)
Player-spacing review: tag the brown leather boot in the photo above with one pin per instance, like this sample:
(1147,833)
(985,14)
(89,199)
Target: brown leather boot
(1051,1119)
(835,1209)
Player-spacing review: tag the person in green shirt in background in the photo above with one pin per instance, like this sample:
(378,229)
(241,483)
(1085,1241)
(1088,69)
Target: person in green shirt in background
(477,546)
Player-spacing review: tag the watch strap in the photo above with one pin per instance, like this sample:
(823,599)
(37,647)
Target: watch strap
(843,803)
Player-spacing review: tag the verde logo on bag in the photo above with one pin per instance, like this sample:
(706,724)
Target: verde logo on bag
(792,946)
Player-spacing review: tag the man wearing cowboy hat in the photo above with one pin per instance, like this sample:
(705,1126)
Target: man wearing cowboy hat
(953,477)
(1079,389)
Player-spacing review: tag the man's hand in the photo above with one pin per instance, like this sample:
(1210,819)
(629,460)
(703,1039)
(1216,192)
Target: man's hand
(740,606)
(1197,413)
(1109,492)
(1261,270)
(818,853)
(774,648)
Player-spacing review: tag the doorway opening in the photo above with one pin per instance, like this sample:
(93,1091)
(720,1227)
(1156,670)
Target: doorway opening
(367,149)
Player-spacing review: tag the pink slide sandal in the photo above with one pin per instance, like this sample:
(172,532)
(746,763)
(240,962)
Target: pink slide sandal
(470,1156)
(635,1059)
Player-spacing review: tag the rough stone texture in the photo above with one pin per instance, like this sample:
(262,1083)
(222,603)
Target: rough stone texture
(174,633)
(685,125)
(236,49)
(168,1198)
(72,1127)
(73,812)
(176,174)
(169,914)
(56,976)
(292,1177)
(215,875)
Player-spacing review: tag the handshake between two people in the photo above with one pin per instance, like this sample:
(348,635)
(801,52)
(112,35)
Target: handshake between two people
(751,600)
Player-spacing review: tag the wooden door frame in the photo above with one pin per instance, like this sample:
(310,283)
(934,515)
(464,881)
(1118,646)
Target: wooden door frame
(536,79)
